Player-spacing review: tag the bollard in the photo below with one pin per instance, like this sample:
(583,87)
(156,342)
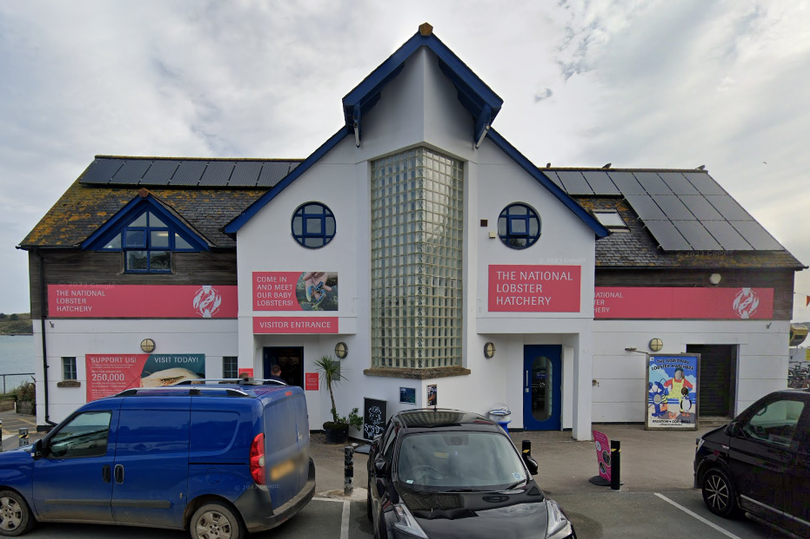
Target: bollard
(23,436)
(615,464)
(348,470)
(1,434)
(526,447)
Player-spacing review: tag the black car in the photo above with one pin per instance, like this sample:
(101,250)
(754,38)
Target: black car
(759,464)
(447,473)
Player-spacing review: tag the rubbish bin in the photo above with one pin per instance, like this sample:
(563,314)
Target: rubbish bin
(500,414)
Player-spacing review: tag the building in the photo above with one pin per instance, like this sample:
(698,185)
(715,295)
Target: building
(448,266)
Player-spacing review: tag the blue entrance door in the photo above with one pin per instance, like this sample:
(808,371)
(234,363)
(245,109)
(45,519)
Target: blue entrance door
(542,395)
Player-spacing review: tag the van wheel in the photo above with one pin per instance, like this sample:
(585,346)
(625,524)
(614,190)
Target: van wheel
(15,516)
(719,494)
(215,521)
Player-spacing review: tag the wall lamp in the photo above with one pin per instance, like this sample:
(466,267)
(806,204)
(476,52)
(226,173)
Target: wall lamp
(341,350)
(148,345)
(489,350)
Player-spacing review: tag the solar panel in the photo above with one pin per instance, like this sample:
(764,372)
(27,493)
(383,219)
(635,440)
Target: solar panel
(600,182)
(273,172)
(727,236)
(553,177)
(132,172)
(701,208)
(574,182)
(652,183)
(189,173)
(704,183)
(101,170)
(216,174)
(667,236)
(729,208)
(627,183)
(674,208)
(160,173)
(245,174)
(678,183)
(757,236)
(645,208)
(697,236)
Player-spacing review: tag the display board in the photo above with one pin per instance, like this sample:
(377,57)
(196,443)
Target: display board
(672,391)
(374,412)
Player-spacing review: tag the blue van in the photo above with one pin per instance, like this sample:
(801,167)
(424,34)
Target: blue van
(217,460)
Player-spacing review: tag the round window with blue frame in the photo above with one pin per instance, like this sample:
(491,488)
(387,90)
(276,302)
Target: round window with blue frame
(519,226)
(313,225)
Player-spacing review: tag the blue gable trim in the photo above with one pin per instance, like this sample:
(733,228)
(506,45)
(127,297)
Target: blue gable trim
(133,209)
(535,173)
(233,227)
(473,93)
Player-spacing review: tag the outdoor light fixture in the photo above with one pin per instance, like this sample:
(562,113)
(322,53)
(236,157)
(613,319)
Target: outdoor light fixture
(715,278)
(489,350)
(341,350)
(656,344)
(148,346)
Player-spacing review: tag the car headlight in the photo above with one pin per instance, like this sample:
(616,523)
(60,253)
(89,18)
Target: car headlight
(406,525)
(558,526)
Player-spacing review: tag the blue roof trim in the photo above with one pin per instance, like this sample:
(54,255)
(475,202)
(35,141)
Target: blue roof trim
(535,173)
(473,93)
(233,227)
(133,209)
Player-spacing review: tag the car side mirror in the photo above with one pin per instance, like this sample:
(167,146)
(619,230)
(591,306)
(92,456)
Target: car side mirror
(380,466)
(531,464)
(733,429)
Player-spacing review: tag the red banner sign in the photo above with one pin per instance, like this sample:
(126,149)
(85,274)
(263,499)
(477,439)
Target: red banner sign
(295,291)
(534,289)
(142,301)
(295,324)
(108,374)
(311,383)
(661,303)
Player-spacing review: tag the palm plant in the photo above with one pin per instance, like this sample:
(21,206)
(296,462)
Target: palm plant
(329,368)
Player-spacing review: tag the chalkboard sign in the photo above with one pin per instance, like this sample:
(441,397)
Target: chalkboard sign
(373,417)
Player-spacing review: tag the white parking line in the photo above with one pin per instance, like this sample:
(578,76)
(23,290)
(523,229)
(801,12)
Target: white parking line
(700,518)
(344,523)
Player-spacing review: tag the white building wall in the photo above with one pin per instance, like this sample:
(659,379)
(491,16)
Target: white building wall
(620,391)
(76,338)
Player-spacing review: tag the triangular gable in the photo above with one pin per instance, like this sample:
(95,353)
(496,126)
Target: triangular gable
(473,93)
(524,163)
(141,203)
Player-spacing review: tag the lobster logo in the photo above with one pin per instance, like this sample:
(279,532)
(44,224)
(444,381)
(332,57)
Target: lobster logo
(207,301)
(746,303)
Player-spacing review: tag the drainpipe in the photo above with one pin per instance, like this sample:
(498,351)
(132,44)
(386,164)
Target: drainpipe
(42,308)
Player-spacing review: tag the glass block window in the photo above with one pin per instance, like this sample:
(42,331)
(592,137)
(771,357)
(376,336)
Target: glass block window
(230,367)
(313,225)
(69,368)
(417,229)
(519,226)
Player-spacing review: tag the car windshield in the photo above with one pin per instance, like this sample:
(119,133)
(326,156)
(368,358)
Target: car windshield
(459,461)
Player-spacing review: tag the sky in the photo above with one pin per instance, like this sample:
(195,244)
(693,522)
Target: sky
(659,84)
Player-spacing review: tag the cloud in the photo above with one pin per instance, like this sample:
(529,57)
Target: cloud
(543,94)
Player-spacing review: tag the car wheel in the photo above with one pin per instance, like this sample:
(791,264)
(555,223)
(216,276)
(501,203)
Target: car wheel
(719,494)
(15,516)
(216,521)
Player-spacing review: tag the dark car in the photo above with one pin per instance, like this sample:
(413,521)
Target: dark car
(759,464)
(447,473)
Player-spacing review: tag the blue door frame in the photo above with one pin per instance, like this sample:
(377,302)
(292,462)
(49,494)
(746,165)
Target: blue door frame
(542,391)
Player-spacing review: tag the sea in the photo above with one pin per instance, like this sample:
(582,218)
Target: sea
(16,357)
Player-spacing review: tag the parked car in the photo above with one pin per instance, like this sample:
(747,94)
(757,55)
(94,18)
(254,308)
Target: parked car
(449,473)
(759,464)
(217,460)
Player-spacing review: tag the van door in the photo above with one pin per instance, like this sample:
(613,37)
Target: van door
(72,479)
(150,477)
(286,445)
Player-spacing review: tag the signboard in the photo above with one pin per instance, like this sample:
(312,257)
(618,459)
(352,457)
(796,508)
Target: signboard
(407,395)
(311,381)
(432,395)
(108,374)
(661,303)
(246,371)
(141,301)
(295,291)
(295,324)
(373,417)
(602,443)
(534,289)
(672,391)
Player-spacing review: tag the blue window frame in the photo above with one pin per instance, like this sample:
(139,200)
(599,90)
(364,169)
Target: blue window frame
(313,225)
(147,243)
(519,226)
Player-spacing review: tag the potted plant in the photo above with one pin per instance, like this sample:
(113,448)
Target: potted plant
(337,430)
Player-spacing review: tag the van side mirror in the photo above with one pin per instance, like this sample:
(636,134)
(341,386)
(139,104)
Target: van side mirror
(37,451)
(531,464)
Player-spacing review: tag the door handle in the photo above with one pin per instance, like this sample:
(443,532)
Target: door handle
(105,473)
(526,383)
(119,473)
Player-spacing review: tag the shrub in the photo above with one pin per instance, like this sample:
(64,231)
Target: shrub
(26,391)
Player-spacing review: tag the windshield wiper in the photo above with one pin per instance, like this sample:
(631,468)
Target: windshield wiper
(515,485)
